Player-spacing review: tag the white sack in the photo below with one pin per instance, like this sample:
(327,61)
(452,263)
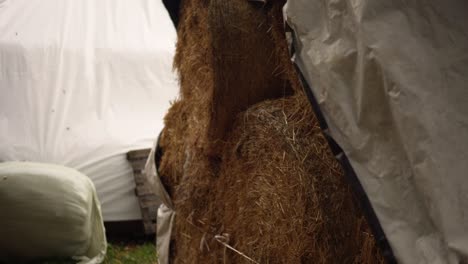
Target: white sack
(391,78)
(49,211)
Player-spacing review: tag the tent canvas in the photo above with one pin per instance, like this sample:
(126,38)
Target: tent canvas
(81,84)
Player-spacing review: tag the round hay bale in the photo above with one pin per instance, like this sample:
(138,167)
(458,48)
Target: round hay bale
(249,171)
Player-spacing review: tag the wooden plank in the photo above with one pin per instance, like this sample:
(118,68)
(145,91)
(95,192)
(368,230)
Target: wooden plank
(149,201)
(149,214)
(144,190)
(138,154)
(140,179)
(138,165)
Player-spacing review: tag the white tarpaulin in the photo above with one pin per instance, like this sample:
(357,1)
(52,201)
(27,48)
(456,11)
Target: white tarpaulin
(391,79)
(49,211)
(81,83)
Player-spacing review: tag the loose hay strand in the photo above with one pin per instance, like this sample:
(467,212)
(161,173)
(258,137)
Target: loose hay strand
(221,239)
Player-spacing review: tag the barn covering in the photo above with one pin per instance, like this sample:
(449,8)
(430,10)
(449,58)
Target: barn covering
(83,82)
(390,78)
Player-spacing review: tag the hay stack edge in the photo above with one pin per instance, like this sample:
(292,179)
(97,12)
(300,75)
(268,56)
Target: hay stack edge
(244,160)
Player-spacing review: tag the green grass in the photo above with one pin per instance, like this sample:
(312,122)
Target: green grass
(123,254)
(131,254)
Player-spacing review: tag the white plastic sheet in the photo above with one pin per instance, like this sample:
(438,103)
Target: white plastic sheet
(391,79)
(83,82)
(166,212)
(49,211)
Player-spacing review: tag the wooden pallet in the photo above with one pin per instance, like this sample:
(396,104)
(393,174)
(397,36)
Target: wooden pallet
(147,199)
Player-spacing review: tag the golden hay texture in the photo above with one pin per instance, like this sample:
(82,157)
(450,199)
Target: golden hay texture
(284,195)
(243,157)
(246,65)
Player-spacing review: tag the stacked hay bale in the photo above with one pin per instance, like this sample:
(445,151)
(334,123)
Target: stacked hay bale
(244,160)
